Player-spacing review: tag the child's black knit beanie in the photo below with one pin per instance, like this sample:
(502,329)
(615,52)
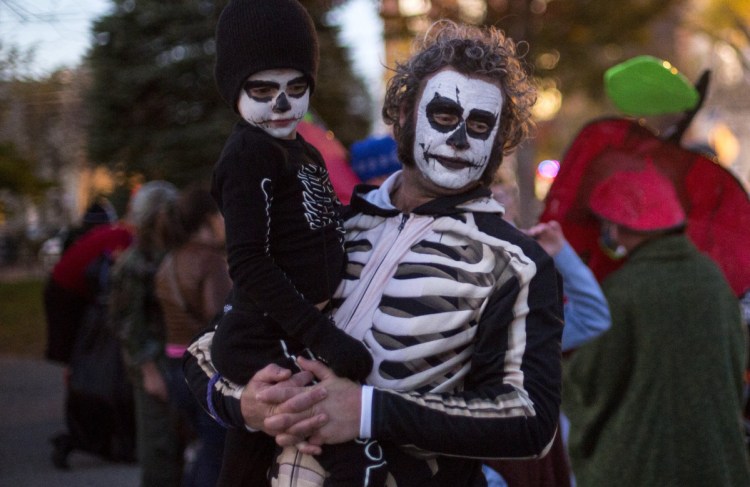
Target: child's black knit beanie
(255,35)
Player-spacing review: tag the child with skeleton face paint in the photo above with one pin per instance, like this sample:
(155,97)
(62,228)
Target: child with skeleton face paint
(283,230)
(275,100)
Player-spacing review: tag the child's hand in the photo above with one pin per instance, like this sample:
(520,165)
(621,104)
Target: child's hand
(349,358)
(346,356)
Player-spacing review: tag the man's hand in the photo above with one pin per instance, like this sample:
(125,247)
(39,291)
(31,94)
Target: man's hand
(549,236)
(269,388)
(340,406)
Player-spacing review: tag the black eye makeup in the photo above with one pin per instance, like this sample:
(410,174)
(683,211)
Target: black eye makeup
(480,123)
(261,91)
(297,87)
(443,114)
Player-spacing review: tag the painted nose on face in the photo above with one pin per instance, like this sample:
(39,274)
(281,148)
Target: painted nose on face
(282,104)
(458,139)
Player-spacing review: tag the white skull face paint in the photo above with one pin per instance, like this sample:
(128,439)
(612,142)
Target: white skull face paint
(275,100)
(457,121)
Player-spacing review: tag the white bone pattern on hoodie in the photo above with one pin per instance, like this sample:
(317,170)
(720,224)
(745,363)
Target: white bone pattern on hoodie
(421,328)
(464,322)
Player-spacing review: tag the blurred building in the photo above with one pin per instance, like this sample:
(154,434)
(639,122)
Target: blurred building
(44,120)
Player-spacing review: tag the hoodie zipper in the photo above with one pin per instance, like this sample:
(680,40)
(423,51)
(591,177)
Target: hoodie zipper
(404,217)
(363,291)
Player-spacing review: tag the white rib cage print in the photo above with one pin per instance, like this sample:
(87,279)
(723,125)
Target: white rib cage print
(318,198)
(422,329)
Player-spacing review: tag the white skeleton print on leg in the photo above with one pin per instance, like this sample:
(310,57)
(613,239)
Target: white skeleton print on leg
(457,122)
(275,100)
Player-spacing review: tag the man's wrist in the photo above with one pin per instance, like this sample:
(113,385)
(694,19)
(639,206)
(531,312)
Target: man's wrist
(244,421)
(365,413)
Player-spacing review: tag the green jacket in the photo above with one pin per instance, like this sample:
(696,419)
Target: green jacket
(134,311)
(657,399)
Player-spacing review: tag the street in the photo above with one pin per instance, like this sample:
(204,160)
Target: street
(31,411)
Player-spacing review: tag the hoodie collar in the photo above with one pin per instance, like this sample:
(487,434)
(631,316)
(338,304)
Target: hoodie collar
(377,201)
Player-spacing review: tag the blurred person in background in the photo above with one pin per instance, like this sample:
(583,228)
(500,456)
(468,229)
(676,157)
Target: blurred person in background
(98,414)
(136,317)
(507,195)
(192,285)
(657,398)
(374,158)
(586,309)
(97,213)
(586,315)
(67,292)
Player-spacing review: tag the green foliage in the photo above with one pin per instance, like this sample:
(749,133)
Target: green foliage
(573,41)
(20,103)
(590,37)
(17,174)
(22,323)
(153,103)
(154,107)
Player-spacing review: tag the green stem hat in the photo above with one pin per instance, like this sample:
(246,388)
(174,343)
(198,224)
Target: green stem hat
(645,85)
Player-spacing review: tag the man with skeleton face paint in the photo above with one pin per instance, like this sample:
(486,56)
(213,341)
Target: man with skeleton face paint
(461,311)
(457,123)
(283,230)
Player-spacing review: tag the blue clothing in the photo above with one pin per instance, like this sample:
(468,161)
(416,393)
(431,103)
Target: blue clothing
(586,310)
(494,479)
(204,470)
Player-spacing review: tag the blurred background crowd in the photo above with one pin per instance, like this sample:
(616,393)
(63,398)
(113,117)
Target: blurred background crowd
(140,102)
(79,140)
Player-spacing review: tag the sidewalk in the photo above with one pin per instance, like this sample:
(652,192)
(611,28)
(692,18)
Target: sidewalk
(19,272)
(31,410)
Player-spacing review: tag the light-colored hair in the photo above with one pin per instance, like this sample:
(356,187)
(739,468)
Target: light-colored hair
(147,212)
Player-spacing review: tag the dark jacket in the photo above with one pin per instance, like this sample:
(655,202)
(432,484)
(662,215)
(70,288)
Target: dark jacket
(491,303)
(657,399)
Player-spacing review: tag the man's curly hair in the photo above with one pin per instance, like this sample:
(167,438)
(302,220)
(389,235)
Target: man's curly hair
(478,51)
